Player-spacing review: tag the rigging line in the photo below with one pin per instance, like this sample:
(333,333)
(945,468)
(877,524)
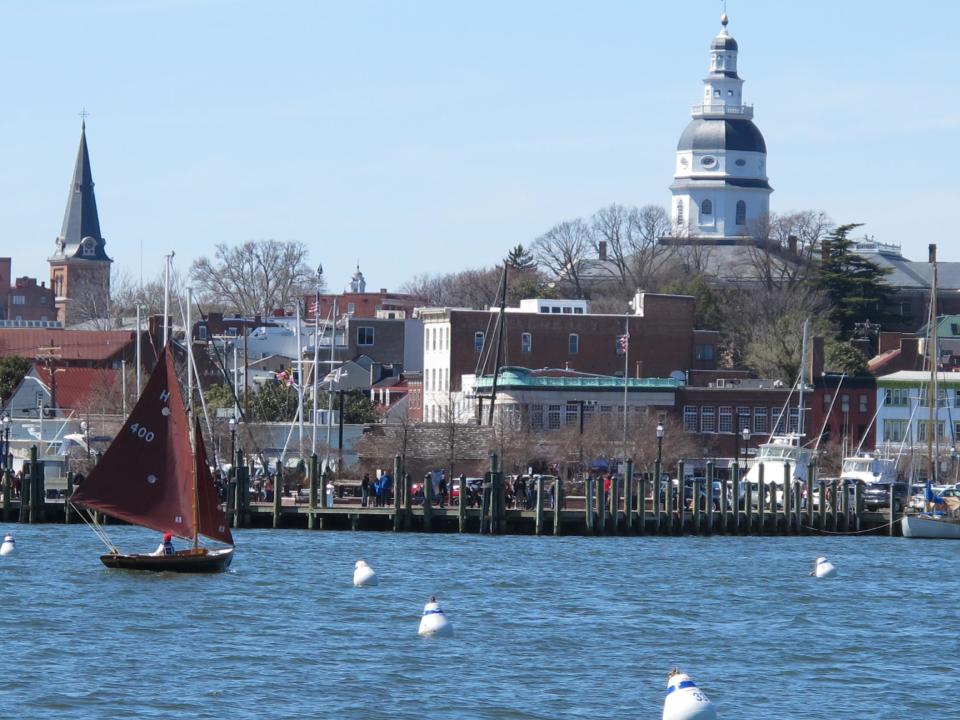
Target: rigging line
(188,337)
(783,411)
(95,527)
(876,414)
(826,419)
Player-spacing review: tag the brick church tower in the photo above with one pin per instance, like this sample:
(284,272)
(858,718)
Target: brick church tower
(79,267)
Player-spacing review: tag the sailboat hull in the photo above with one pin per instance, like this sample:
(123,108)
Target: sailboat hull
(925,526)
(187,561)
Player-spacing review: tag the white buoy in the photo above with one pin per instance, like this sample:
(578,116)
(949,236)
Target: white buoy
(823,568)
(434,622)
(685,701)
(8,545)
(363,575)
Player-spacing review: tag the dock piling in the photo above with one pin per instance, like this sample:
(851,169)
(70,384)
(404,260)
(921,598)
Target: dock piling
(628,497)
(538,524)
(313,469)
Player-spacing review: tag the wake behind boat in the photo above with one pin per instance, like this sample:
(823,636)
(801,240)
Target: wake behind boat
(155,475)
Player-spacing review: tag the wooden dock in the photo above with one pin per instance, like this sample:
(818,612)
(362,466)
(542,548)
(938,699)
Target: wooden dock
(628,509)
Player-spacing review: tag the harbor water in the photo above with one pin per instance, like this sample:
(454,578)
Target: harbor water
(544,628)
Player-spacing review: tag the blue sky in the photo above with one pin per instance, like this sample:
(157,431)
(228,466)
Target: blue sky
(431,136)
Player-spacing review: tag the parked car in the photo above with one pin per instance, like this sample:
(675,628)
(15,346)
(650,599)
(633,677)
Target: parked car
(878,495)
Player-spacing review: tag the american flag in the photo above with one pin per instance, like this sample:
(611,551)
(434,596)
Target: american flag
(284,378)
(314,308)
(623,344)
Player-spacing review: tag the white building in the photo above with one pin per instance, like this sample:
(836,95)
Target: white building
(903,417)
(720,189)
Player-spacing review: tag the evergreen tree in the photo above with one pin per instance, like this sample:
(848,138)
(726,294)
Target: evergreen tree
(520,259)
(854,284)
(12,371)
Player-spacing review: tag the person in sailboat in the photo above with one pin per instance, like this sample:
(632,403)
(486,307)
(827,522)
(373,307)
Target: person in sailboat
(166,547)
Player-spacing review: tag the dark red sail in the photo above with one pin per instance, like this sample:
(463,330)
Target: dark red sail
(146,475)
(213,522)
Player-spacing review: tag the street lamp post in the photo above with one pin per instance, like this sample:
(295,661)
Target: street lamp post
(4,440)
(233,439)
(660,433)
(745,434)
(86,436)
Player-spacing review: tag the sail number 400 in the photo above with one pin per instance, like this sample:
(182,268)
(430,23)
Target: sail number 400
(141,432)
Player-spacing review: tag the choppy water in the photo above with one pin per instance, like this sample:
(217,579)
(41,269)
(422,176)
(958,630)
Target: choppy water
(545,628)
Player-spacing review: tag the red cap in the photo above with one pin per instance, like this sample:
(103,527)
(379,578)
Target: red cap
(167,537)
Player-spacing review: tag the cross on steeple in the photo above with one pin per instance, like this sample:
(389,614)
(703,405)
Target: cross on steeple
(83,118)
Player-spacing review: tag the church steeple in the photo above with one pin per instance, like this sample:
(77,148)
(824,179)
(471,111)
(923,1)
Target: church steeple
(80,233)
(79,266)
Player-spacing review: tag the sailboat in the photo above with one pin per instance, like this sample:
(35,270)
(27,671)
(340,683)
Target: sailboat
(932,523)
(155,475)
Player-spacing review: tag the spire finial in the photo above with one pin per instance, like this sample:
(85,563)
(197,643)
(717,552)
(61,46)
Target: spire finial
(83,119)
(723,15)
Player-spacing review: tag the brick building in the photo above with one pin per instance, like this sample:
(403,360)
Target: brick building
(73,348)
(842,408)
(24,301)
(358,303)
(462,343)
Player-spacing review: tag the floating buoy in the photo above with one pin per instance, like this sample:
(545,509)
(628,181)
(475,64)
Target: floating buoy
(434,622)
(823,568)
(685,701)
(364,575)
(8,545)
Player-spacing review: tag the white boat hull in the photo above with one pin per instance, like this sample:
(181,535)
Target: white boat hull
(926,526)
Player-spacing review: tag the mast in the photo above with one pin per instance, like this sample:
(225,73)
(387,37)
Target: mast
(299,380)
(803,380)
(496,359)
(316,364)
(166,297)
(933,401)
(333,344)
(193,438)
(626,369)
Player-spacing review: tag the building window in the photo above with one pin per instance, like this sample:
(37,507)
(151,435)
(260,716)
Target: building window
(43,299)
(706,208)
(827,399)
(231,332)
(863,403)
(364,336)
(743,418)
(708,419)
(844,403)
(897,397)
(794,420)
(778,421)
(690,418)
(202,332)
(760,420)
(536,417)
(703,352)
(573,344)
(741,212)
(572,413)
(526,342)
(725,420)
(553,417)
(478,341)
(19,300)
(923,429)
(680,213)
(351,308)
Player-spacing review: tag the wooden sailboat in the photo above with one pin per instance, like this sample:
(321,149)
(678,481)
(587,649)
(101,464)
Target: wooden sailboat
(155,475)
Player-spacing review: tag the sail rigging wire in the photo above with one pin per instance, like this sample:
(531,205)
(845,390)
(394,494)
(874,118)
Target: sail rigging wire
(826,419)
(96,527)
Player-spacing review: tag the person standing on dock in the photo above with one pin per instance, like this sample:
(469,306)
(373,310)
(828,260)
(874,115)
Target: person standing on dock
(365,490)
(385,484)
(443,490)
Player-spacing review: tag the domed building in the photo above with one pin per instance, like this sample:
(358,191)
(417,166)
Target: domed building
(720,188)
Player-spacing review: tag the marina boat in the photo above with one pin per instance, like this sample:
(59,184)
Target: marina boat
(866,469)
(932,525)
(155,475)
(773,455)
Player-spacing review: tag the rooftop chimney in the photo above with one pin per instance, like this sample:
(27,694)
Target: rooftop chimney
(932,249)
(602,249)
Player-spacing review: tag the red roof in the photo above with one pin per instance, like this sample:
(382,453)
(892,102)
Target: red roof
(72,345)
(76,386)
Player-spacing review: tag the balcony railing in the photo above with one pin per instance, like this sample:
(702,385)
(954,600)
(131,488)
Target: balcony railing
(744,111)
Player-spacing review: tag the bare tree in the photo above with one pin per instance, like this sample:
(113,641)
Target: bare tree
(785,252)
(256,277)
(561,251)
(648,256)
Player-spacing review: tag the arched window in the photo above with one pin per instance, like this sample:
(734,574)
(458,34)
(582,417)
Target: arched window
(706,208)
(679,213)
(741,212)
